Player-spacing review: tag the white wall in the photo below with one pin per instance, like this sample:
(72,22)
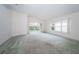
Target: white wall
(5,24)
(12,23)
(44,26)
(19,23)
(74,26)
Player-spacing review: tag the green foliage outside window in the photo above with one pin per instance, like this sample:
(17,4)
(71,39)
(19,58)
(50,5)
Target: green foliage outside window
(34,28)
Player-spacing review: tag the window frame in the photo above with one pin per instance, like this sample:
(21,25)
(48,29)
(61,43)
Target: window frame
(34,26)
(61,26)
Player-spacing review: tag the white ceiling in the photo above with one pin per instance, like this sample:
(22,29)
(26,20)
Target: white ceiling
(45,11)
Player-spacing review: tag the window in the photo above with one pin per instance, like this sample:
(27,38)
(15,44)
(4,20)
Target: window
(58,26)
(52,26)
(34,27)
(61,26)
(64,26)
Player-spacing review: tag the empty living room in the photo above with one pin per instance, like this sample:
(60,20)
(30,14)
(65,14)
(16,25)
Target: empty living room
(39,28)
